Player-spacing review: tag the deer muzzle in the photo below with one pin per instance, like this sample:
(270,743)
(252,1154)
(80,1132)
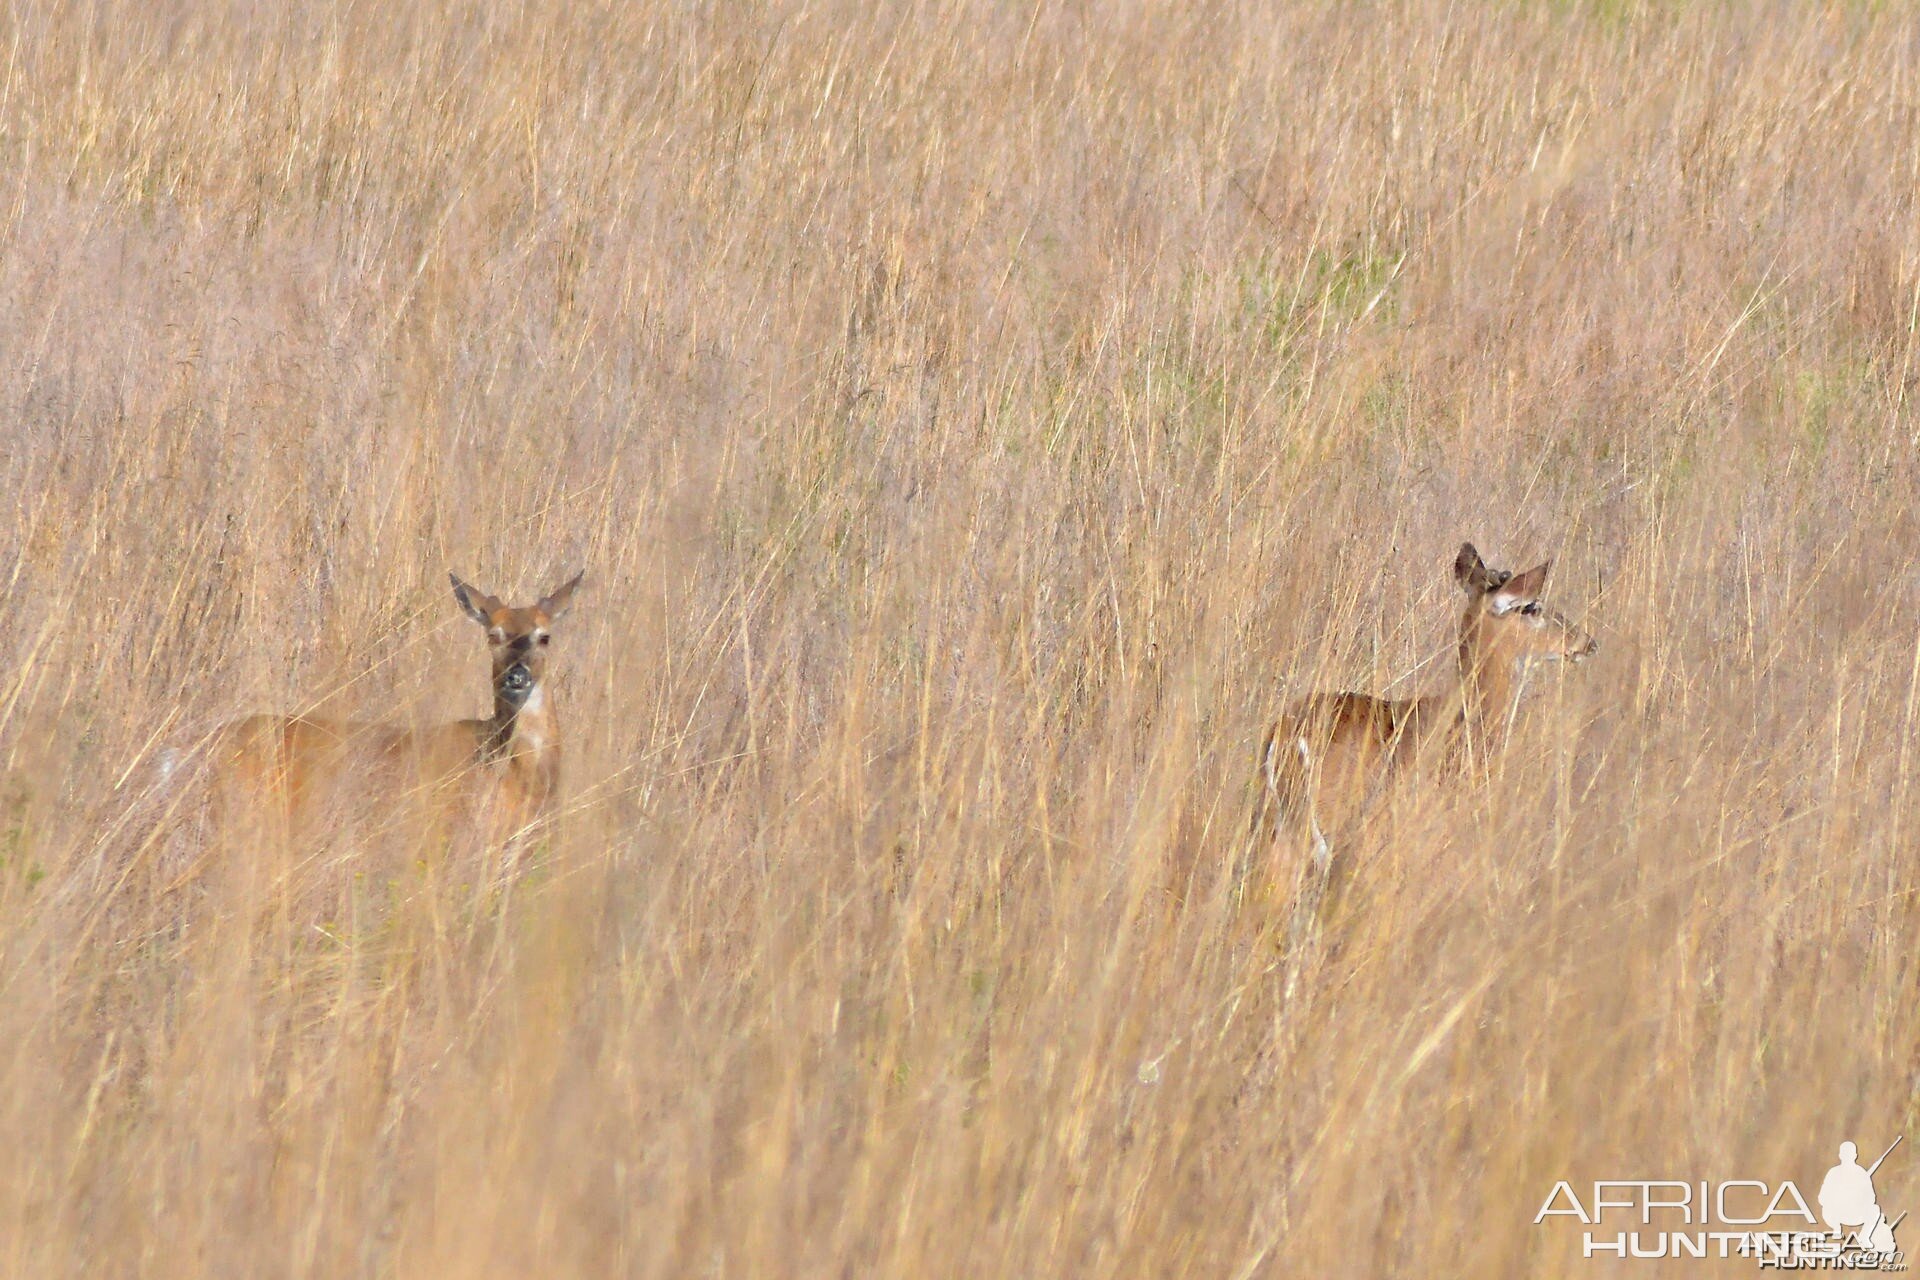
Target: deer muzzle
(516,681)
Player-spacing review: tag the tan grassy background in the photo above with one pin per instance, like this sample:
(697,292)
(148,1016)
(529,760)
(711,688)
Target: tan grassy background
(973,423)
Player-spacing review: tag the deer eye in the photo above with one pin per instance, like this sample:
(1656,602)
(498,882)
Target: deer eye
(544,637)
(1531,608)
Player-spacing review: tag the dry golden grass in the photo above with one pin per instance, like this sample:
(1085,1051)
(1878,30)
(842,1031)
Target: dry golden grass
(974,424)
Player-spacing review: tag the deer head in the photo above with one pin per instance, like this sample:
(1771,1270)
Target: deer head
(1506,624)
(519,639)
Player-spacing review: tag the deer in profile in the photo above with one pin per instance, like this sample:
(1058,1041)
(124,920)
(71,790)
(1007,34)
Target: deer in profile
(1329,755)
(511,758)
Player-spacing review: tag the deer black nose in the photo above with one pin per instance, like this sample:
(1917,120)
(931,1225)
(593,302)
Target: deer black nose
(516,678)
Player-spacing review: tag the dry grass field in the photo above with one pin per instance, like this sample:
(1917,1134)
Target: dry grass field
(974,424)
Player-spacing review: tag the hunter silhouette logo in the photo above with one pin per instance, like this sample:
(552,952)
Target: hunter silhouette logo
(1769,1223)
(1847,1200)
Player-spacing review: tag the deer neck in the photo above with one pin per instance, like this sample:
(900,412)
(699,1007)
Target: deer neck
(1488,688)
(527,731)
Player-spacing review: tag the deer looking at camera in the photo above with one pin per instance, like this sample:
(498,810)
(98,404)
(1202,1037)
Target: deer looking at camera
(1330,754)
(507,764)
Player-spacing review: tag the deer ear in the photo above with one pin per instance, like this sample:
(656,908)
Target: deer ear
(1528,585)
(478,604)
(556,604)
(1471,572)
